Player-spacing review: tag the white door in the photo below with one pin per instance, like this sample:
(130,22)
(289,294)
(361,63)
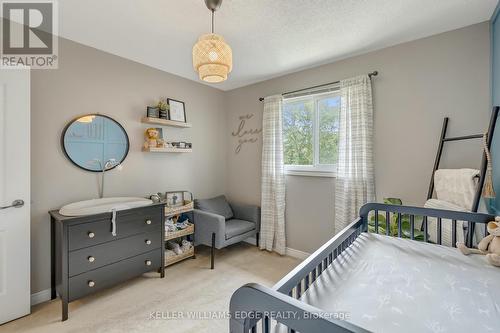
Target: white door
(14,186)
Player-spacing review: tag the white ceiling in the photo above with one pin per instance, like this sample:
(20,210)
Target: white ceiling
(269,38)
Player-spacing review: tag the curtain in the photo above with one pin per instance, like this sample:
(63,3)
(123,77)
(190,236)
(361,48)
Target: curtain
(355,182)
(272,232)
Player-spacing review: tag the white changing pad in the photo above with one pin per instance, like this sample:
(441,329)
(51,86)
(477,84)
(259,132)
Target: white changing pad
(388,284)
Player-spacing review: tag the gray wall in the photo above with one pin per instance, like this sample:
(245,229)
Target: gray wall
(419,83)
(90,81)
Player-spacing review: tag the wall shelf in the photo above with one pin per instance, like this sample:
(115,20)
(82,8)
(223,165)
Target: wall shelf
(167,150)
(164,122)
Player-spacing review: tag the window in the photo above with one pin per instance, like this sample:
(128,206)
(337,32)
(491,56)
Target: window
(310,134)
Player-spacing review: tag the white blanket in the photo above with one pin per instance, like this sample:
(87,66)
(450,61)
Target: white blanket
(388,284)
(456,186)
(446,227)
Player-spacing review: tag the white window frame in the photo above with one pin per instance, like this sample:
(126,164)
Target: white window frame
(315,170)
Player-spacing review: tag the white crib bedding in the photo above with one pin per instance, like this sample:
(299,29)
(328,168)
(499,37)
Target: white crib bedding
(388,284)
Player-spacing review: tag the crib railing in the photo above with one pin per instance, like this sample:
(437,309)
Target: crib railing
(253,306)
(471,219)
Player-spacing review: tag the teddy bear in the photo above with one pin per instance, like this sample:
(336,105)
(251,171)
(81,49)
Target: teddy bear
(489,245)
(152,139)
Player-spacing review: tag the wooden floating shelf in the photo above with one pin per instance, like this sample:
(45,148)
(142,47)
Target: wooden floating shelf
(172,260)
(169,235)
(164,122)
(167,150)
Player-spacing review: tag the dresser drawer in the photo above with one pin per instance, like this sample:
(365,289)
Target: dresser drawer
(107,276)
(93,257)
(127,223)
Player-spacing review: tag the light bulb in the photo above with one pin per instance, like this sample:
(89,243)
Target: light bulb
(212,55)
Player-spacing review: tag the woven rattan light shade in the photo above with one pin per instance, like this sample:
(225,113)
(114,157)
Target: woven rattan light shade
(212,58)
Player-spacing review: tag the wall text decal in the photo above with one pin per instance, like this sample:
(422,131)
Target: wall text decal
(245,135)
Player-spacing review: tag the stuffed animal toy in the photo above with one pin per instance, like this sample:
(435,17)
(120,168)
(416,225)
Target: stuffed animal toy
(152,137)
(489,245)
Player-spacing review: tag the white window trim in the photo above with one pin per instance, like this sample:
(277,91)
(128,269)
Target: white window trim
(310,171)
(315,170)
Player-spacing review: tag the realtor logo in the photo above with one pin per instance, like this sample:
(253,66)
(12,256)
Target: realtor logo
(29,33)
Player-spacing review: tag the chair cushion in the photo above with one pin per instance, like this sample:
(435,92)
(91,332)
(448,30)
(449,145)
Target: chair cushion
(217,205)
(235,227)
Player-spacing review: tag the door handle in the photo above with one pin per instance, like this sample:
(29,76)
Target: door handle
(15,204)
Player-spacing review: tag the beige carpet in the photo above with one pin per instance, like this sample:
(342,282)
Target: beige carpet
(189,288)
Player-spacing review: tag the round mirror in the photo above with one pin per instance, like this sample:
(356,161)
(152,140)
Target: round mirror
(95,142)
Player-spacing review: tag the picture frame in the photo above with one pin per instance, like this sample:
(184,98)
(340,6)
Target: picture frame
(174,199)
(153,112)
(160,133)
(177,111)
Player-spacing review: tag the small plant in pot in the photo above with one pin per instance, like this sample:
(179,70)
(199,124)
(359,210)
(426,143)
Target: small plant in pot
(163,105)
(393,223)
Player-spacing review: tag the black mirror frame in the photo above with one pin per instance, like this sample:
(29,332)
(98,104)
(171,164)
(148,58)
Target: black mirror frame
(97,115)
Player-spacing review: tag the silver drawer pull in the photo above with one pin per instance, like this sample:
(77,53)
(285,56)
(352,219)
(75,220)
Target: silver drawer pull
(148,222)
(148,242)
(91,284)
(91,259)
(91,234)
(148,262)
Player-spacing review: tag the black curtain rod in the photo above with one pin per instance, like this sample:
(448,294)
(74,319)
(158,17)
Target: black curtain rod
(374,73)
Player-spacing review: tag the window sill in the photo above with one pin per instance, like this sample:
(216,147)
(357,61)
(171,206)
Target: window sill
(328,174)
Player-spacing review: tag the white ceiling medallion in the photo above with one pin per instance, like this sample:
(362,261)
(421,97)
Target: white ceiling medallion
(212,57)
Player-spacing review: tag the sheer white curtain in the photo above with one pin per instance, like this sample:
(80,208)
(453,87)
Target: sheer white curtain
(355,183)
(272,231)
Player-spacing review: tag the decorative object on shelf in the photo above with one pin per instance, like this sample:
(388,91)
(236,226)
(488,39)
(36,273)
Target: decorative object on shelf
(153,112)
(212,57)
(177,110)
(153,139)
(181,145)
(175,199)
(155,198)
(183,203)
(245,135)
(163,107)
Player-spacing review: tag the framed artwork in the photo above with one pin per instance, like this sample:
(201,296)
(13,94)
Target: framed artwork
(160,132)
(177,110)
(174,199)
(153,112)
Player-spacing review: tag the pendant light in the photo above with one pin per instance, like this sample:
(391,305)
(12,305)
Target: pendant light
(212,57)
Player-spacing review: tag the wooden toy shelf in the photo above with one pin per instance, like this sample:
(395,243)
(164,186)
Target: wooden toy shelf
(170,212)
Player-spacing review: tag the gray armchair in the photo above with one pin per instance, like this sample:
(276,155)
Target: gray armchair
(219,223)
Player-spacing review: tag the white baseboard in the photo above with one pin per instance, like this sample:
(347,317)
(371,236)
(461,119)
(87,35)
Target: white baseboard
(297,253)
(289,251)
(40,297)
